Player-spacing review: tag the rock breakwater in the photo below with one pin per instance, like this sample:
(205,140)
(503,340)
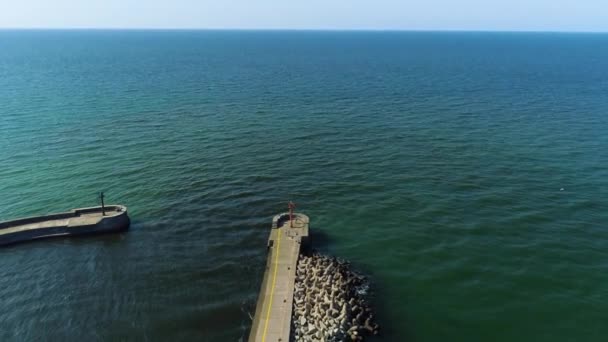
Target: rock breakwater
(329,302)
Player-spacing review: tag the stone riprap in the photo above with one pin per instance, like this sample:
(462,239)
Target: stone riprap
(329,302)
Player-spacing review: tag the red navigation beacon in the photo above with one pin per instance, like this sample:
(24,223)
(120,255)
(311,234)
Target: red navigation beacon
(291,207)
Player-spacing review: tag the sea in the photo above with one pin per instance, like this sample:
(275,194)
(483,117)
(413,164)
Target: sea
(464,173)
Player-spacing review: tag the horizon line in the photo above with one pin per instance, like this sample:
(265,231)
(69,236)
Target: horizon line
(84,28)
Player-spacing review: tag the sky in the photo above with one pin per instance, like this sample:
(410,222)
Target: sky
(483,15)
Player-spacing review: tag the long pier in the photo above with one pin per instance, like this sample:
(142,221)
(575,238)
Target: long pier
(288,238)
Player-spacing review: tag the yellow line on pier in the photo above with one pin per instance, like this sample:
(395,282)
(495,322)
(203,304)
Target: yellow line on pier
(274,281)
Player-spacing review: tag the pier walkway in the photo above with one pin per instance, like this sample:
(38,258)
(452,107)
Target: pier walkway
(272,321)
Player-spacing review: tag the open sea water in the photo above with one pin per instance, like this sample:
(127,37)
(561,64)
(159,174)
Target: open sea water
(465,173)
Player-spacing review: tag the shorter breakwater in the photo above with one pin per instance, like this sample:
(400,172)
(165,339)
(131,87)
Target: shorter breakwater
(329,302)
(83,221)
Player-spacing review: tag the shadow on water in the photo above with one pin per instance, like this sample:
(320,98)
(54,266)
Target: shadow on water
(377,293)
(319,240)
(108,238)
(389,330)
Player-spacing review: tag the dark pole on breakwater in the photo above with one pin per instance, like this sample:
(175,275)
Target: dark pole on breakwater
(103,209)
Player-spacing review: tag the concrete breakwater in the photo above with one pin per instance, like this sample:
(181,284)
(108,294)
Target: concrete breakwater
(272,320)
(329,302)
(308,297)
(94,220)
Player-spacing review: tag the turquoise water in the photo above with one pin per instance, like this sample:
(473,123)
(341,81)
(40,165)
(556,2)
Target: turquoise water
(466,173)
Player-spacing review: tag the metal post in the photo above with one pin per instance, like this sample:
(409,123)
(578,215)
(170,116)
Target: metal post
(103,209)
(291,207)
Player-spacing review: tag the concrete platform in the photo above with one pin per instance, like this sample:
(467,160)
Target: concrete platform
(272,321)
(75,222)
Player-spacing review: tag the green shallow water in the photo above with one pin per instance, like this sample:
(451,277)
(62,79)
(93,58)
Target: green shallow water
(465,173)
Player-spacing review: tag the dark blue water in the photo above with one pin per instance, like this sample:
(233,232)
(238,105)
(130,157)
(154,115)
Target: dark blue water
(466,173)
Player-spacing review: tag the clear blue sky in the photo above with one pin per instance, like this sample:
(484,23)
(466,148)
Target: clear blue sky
(511,15)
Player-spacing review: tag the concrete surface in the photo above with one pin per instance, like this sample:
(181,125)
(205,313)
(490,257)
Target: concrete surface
(272,321)
(76,222)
